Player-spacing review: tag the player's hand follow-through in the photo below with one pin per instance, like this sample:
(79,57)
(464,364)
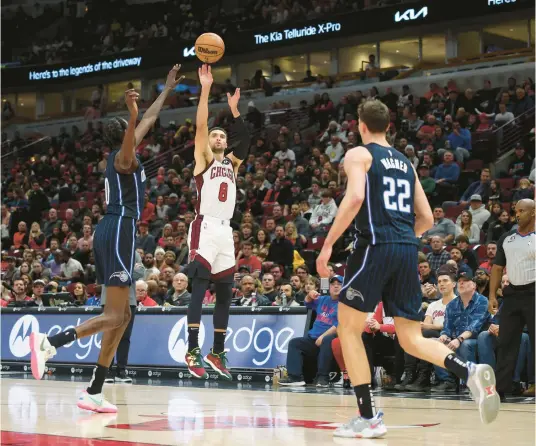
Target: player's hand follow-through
(205,75)
(131,96)
(322,261)
(233,100)
(172,81)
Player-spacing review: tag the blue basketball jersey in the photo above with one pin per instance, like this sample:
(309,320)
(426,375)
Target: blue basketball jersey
(124,193)
(386,215)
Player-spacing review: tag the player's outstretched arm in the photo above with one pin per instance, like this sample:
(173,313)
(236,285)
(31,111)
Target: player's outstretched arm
(238,131)
(149,117)
(127,154)
(424,219)
(202,153)
(356,164)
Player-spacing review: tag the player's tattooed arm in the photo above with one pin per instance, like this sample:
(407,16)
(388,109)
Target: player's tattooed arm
(202,153)
(149,117)
(126,155)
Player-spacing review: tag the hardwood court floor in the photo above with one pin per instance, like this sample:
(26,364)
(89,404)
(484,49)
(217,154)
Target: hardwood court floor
(45,413)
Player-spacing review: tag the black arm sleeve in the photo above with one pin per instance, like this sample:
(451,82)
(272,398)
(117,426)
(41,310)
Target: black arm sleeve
(239,131)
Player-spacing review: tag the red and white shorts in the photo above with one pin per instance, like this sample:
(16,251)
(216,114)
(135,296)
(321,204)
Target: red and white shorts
(210,241)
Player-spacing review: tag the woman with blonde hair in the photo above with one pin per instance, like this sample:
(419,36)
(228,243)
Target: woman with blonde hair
(466,227)
(24,269)
(291,233)
(159,254)
(36,238)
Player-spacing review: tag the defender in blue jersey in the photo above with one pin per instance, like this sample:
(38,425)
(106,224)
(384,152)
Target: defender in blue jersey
(390,208)
(113,244)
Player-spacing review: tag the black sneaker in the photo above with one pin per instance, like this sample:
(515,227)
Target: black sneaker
(409,377)
(421,384)
(122,377)
(291,381)
(322,381)
(110,377)
(517,389)
(445,386)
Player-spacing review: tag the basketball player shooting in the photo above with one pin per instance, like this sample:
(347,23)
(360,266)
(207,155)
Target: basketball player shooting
(113,243)
(210,238)
(390,208)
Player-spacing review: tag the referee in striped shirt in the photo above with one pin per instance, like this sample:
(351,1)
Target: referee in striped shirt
(516,250)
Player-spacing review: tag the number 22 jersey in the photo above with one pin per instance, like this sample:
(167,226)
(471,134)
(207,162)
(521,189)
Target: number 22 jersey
(216,190)
(387,213)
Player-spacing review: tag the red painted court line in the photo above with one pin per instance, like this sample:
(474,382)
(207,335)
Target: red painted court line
(8,438)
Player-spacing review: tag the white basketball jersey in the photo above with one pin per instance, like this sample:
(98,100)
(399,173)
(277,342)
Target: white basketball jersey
(216,190)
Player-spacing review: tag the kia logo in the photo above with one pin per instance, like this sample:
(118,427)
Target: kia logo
(410,14)
(188,52)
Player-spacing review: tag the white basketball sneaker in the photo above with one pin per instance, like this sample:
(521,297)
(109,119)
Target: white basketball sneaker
(95,403)
(362,428)
(41,352)
(481,383)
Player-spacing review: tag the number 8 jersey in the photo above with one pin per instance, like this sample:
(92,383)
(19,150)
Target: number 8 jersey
(386,215)
(216,190)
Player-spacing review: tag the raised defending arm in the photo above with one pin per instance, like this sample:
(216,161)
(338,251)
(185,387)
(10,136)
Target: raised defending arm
(127,154)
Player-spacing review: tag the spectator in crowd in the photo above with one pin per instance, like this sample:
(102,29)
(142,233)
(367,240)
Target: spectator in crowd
(281,249)
(144,240)
(317,343)
(438,256)
(417,372)
(269,286)
(38,291)
(249,296)
(446,176)
(428,184)
(464,318)
(478,211)
(443,227)
(380,341)
(19,296)
(71,268)
(178,295)
(521,164)
(469,257)
(79,295)
(286,296)
(142,297)
(480,187)
(466,227)
(323,214)
(491,252)
(462,268)
(247,258)
(482,281)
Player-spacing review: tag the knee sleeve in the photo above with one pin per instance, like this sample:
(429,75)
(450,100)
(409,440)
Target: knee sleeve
(224,295)
(197,269)
(199,288)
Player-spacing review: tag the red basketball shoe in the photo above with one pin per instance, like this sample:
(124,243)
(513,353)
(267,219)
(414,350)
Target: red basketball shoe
(218,362)
(194,360)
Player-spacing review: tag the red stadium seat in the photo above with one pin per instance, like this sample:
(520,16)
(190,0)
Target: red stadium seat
(454,211)
(506,183)
(474,165)
(315,243)
(70,287)
(507,206)
(339,268)
(480,251)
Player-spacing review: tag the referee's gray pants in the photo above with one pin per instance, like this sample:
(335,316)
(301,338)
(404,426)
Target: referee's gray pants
(516,312)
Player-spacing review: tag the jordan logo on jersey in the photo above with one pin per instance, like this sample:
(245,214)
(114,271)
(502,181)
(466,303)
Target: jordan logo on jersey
(219,171)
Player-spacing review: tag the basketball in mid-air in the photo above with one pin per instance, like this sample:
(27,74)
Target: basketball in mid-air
(209,47)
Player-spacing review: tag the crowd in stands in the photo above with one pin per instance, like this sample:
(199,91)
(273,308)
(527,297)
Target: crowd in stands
(289,190)
(100,28)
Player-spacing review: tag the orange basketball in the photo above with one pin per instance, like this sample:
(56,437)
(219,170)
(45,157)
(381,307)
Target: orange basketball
(209,47)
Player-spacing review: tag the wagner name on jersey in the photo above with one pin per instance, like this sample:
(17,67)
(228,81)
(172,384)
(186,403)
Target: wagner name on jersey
(216,190)
(387,215)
